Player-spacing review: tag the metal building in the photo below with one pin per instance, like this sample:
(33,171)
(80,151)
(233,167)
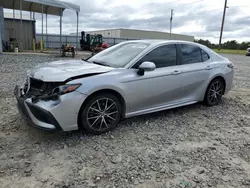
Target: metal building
(140,34)
(12,30)
(45,7)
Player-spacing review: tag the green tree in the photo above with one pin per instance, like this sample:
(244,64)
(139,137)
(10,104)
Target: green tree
(232,45)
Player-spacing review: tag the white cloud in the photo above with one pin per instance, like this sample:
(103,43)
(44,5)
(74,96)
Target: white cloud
(200,18)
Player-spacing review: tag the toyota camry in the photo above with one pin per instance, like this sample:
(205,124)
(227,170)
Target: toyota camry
(128,79)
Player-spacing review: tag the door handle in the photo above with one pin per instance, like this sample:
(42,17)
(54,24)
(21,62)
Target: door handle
(208,68)
(176,72)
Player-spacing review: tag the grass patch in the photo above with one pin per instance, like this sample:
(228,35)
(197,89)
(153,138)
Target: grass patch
(227,51)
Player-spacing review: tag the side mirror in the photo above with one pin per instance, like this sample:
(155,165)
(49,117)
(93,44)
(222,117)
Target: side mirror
(146,66)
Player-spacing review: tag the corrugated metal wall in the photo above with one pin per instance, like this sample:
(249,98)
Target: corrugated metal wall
(53,40)
(12,30)
(141,34)
(114,33)
(110,36)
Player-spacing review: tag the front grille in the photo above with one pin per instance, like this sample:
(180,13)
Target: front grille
(35,87)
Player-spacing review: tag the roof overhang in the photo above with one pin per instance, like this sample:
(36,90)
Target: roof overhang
(52,7)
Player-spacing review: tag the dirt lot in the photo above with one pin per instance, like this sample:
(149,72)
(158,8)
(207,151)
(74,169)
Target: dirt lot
(193,146)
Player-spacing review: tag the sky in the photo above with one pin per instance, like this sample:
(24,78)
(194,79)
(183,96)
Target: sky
(199,18)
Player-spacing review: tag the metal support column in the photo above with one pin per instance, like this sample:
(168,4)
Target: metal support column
(77,14)
(1,25)
(14,26)
(21,22)
(46,30)
(42,31)
(31,25)
(60,30)
(34,18)
(1,48)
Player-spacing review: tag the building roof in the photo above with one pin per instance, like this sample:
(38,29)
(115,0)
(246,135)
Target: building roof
(52,7)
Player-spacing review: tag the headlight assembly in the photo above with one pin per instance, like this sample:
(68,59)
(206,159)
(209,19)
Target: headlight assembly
(61,90)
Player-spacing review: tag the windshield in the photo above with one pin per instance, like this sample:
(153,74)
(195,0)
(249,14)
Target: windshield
(119,55)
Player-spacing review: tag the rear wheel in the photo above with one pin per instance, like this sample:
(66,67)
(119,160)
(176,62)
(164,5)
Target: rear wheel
(101,113)
(214,92)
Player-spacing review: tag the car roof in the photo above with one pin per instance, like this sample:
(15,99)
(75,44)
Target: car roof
(153,43)
(158,42)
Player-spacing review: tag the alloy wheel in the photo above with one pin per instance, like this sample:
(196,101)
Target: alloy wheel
(215,92)
(102,114)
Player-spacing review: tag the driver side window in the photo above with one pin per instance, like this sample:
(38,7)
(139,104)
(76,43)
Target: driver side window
(163,56)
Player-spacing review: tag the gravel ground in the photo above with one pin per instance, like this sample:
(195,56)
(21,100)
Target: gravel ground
(193,146)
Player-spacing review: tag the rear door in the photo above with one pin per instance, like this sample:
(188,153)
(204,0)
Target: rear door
(196,70)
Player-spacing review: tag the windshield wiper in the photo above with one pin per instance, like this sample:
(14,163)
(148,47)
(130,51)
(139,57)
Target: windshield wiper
(86,60)
(100,63)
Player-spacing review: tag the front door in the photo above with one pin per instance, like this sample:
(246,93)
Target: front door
(155,88)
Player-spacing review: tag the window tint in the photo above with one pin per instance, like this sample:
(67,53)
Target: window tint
(119,55)
(190,54)
(205,56)
(163,56)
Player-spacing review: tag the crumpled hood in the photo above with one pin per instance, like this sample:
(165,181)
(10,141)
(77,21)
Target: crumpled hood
(59,71)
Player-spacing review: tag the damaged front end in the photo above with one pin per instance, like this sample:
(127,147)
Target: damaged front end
(40,90)
(45,105)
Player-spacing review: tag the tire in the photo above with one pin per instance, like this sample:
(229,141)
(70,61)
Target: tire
(101,113)
(214,92)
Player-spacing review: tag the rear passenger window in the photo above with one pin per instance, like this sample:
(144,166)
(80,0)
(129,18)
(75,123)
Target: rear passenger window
(191,54)
(204,55)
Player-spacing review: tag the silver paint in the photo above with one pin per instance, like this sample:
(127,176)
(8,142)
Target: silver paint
(160,89)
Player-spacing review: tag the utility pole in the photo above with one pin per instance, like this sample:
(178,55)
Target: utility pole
(222,24)
(171,20)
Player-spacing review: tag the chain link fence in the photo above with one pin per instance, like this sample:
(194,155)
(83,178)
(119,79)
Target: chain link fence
(53,41)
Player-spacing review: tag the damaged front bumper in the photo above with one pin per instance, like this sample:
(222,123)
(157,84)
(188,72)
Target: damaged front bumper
(59,114)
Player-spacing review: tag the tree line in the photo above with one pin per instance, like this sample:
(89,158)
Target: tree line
(232,45)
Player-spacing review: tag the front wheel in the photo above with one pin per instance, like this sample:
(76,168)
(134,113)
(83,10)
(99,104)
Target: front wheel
(214,92)
(101,113)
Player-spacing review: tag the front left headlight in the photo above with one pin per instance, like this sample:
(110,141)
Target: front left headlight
(61,90)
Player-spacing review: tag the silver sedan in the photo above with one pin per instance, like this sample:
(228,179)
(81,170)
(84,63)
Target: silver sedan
(128,79)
